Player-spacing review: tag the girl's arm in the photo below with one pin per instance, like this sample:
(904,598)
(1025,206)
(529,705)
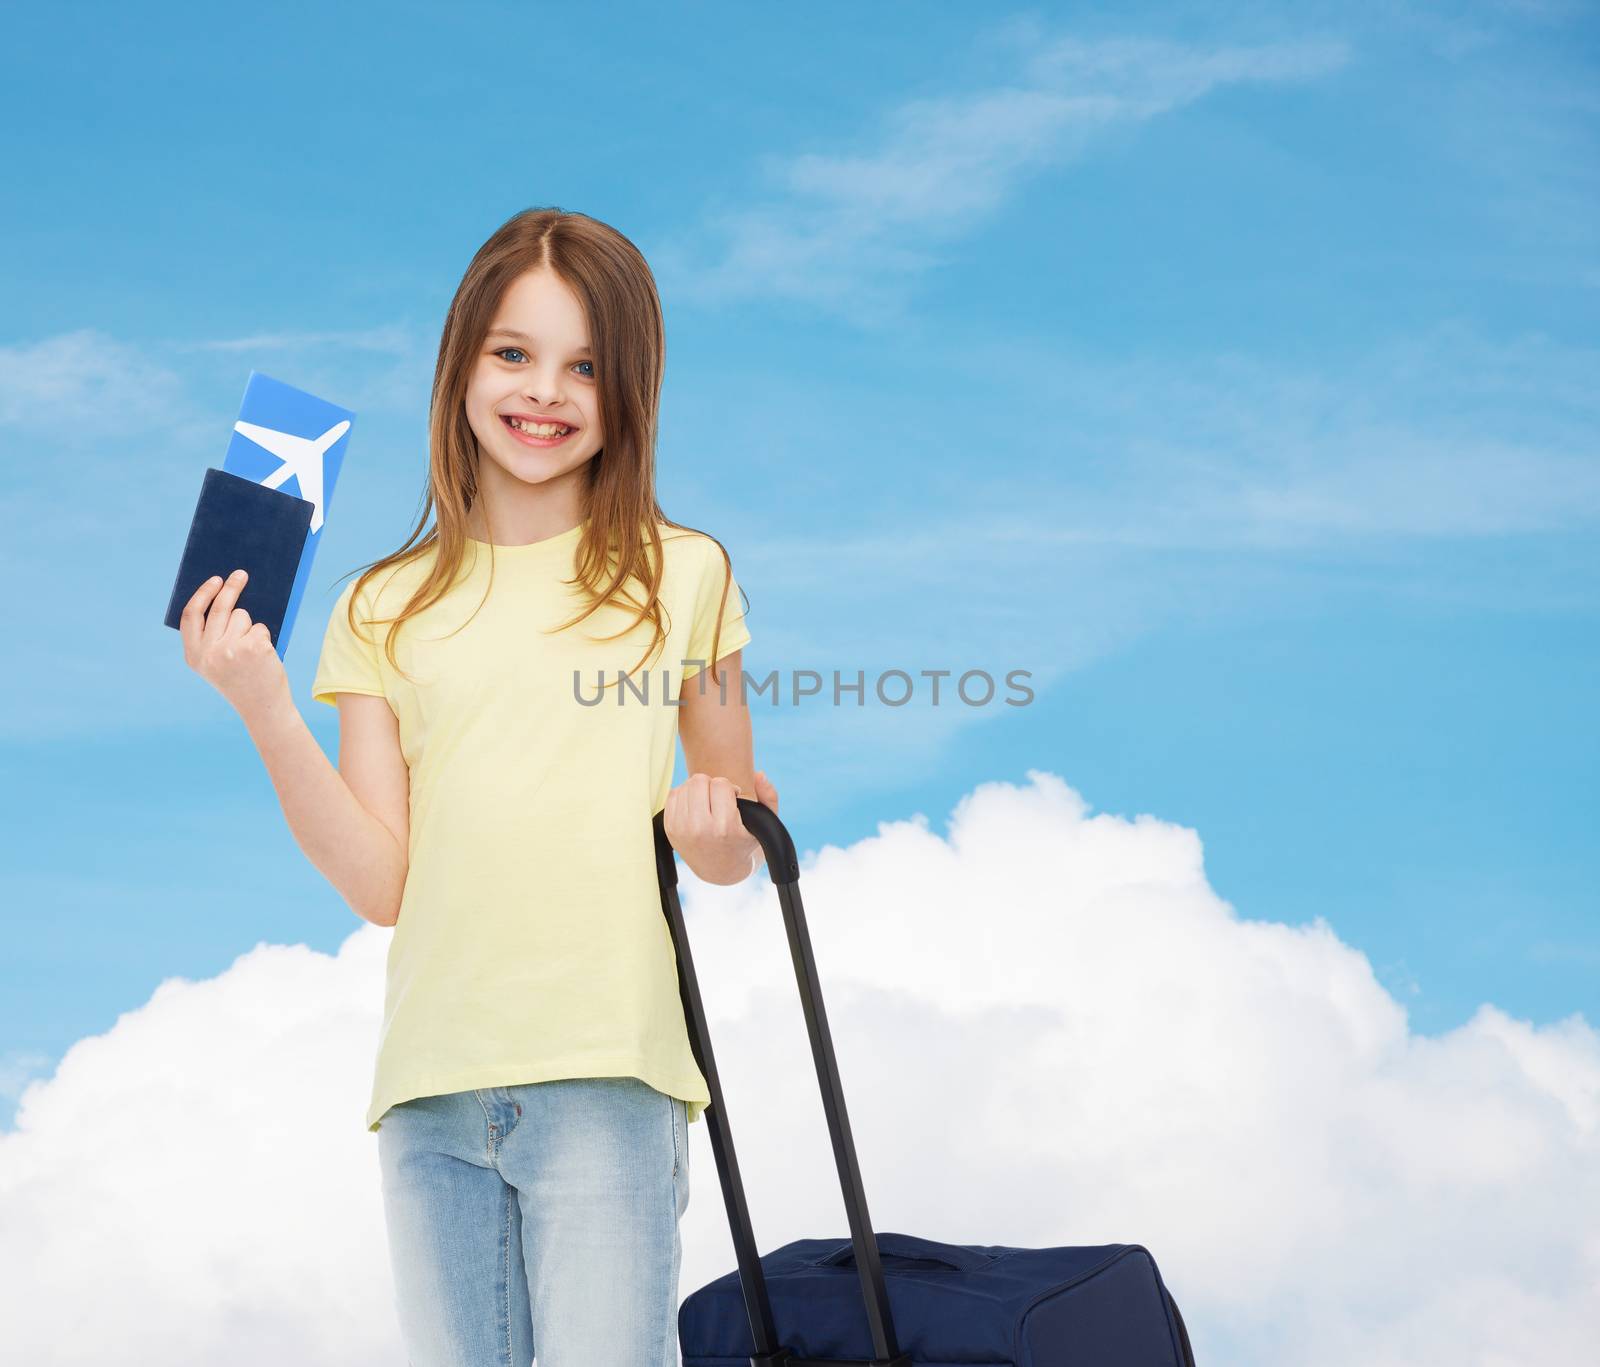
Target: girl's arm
(716,744)
(716,734)
(351,823)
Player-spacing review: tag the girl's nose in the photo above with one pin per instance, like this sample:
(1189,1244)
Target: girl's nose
(546,394)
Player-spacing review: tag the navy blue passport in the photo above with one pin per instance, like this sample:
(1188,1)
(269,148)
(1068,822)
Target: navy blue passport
(241,525)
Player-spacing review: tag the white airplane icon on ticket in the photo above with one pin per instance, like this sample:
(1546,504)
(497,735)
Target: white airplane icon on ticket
(301,457)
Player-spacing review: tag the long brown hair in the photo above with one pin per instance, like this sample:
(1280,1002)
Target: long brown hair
(618,293)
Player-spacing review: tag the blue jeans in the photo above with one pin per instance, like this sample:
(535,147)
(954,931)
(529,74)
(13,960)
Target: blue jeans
(538,1217)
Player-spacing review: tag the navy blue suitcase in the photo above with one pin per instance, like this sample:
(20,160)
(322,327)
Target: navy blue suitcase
(885,1299)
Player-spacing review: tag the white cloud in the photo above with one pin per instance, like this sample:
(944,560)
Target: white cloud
(194,1185)
(384,338)
(59,383)
(843,230)
(1441,433)
(1051,1031)
(19,1067)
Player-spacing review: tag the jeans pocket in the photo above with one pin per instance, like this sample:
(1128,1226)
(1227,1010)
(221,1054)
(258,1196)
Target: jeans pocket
(683,1132)
(680,1154)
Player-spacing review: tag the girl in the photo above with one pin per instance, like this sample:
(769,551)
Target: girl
(503,747)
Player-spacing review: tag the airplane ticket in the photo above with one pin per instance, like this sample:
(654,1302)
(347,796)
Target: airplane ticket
(288,439)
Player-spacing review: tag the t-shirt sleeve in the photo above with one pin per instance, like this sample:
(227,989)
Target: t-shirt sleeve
(735,635)
(349,662)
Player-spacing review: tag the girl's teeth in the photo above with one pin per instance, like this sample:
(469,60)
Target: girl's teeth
(540,429)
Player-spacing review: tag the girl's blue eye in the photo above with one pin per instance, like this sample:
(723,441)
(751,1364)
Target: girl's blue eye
(502,351)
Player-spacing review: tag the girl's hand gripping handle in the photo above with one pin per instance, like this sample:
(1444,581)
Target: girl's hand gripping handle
(705,821)
(760,820)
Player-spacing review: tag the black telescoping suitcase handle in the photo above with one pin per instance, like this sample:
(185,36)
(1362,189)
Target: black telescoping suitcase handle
(783,867)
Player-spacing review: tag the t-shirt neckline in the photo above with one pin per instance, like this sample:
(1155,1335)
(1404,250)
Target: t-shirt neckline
(526,548)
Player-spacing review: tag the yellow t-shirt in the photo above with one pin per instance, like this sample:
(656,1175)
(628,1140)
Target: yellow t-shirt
(530,943)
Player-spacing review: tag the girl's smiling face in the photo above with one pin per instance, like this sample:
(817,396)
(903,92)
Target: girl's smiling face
(535,362)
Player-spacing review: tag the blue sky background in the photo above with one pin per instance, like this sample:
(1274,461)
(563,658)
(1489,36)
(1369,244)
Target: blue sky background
(1234,372)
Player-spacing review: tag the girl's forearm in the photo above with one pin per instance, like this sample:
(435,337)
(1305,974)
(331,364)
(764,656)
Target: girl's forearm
(349,846)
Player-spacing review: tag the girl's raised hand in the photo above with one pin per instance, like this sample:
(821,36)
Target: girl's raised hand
(228,651)
(703,823)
